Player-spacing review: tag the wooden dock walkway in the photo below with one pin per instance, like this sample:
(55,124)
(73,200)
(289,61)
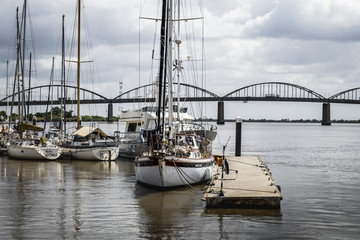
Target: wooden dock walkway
(249,184)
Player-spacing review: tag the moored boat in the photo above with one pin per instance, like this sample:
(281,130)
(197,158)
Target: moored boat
(174,153)
(90,143)
(184,160)
(33,150)
(30,146)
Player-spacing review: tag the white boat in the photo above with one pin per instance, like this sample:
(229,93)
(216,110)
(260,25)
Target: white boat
(172,154)
(90,143)
(27,145)
(183,160)
(33,150)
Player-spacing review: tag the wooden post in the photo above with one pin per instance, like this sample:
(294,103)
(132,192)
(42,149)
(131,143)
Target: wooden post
(110,112)
(238,136)
(326,114)
(220,119)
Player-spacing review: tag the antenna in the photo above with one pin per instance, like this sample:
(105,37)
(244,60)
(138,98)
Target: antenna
(120,92)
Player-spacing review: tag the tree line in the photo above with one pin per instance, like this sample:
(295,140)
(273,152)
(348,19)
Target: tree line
(54,115)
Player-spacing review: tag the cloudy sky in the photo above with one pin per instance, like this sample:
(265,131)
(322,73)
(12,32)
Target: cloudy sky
(312,43)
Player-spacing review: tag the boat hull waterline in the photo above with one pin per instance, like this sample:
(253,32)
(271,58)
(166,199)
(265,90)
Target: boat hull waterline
(172,171)
(98,153)
(34,153)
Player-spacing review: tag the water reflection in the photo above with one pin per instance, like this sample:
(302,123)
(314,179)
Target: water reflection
(19,208)
(30,191)
(163,212)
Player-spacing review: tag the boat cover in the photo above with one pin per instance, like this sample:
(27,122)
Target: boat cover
(85,131)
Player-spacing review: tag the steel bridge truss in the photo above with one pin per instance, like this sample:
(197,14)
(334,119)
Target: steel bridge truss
(274,91)
(349,96)
(267,91)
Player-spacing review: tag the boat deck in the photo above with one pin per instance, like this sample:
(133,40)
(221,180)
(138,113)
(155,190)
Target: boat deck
(249,184)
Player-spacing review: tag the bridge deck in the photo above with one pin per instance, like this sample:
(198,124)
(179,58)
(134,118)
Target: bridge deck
(248,185)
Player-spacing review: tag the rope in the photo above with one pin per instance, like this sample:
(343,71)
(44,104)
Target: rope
(183,179)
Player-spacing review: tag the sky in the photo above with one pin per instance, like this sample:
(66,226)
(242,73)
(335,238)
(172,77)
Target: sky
(311,43)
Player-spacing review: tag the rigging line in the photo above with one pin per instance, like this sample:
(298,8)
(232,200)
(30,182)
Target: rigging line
(201,6)
(93,67)
(12,43)
(153,50)
(141,7)
(32,34)
(186,183)
(72,46)
(203,65)
(183,179)
(185,175)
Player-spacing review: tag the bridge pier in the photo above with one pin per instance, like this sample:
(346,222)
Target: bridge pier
(326,114)
(110,112)
(220,119)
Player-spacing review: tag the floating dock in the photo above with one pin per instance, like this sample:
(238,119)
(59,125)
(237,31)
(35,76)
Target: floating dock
(249,184)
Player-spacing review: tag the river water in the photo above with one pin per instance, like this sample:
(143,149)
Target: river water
(317,167)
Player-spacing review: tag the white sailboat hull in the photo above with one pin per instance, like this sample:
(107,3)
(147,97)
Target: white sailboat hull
(34,152)
(173,172)
(94,153)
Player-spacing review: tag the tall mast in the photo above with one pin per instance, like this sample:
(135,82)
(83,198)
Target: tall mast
(50,94)
(165,63)
(178,63)
(23,102)
(170,63)
(78,67)
(162,60)
(7,85)
(51,88)
(29,91)
(16,68)
(62,109)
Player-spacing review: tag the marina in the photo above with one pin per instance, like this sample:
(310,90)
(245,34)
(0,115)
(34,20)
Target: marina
(160,165)
(318,172)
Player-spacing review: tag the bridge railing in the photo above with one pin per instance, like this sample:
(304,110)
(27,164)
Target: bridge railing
(268,91)
(274,90)
(348,96)
(149,91)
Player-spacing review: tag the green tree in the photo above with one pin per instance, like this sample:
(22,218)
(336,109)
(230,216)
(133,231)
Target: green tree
(3,114)
(56,111)
(68,114)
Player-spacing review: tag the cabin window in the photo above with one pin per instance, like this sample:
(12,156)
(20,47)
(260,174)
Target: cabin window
(189,141)
(132,127)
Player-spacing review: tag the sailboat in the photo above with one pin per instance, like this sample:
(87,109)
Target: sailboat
(26,144)
(172,154)
(32,147)
(88,143)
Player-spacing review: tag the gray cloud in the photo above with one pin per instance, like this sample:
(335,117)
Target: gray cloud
(313,43)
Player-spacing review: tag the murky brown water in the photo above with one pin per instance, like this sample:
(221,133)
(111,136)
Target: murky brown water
(317,167)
